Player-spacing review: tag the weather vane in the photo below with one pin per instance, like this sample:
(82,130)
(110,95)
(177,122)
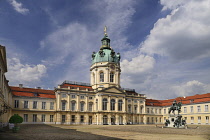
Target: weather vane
(105,28)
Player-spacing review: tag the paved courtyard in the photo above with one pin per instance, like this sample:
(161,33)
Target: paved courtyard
(94,132)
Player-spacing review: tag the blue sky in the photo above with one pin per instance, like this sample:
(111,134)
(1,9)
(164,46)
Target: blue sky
(164,45)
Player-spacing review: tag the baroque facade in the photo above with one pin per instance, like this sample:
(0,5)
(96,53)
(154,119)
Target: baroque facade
(102,102)
(5,92)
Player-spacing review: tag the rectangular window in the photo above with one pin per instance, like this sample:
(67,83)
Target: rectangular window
(73,96)
(199,108)
(90,107)
(16,103)
(192,120)
(43,105)
(73,106)
(135,101)
(159,111)
(34,104)
(191,109)
(43,118)
(63,105)
(25,104)
(185,109)
(72,118)
(51,118)
(82,97)
(155,111)
(199,119)
(164,111)
(64,95)
(185,118)
(34,117)
(147,110)
(206,108)
(63,118)
(82,118)
(207,119)
(25,117)
(152,110)
(51,105)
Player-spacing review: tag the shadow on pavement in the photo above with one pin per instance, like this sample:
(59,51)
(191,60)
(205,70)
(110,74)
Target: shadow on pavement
(45,132)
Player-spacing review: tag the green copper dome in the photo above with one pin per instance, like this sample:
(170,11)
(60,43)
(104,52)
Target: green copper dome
(106,53)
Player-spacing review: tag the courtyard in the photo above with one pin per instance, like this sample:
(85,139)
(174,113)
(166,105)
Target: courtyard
(106,132)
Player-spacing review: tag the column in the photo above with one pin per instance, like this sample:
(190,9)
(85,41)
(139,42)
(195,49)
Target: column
(78,103)
(59,101)
(68,120)
(124,105)
(116,104)
(117,119)
(108,105)
(68,102)
(58,118)
(109,119)
(87,102)
(124,119)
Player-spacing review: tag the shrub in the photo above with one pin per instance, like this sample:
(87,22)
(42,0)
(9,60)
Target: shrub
(15,119)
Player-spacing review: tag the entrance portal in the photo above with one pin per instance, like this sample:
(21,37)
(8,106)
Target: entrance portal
(90,120)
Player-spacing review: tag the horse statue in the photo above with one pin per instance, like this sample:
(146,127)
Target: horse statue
(175,106)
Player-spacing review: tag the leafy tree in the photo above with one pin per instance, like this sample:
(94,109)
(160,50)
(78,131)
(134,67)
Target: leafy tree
(15,119)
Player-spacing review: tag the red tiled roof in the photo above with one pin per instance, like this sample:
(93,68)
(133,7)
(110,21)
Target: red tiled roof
(31,92)
(198,98)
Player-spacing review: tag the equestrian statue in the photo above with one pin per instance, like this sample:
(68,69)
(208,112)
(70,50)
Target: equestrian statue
(175,106)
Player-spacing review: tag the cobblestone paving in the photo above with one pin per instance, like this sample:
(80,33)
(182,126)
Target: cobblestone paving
(96,132)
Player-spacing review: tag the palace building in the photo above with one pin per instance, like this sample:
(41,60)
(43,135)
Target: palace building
(102,102)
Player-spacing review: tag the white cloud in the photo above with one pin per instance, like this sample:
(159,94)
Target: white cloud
(24,73)
(191,88)
(73,44)
(182,35)
(19,7)
(138,64)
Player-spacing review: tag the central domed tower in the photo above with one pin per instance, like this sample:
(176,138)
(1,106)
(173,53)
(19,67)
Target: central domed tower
(105,68)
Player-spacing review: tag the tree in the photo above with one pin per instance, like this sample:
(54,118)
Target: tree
(15,119)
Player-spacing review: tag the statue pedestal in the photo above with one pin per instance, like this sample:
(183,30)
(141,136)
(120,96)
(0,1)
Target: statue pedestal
(175,120)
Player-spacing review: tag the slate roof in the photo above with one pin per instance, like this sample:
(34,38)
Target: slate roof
(198,98)
(32,92)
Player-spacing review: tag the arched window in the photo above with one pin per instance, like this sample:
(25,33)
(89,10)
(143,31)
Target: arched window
(73,105)
(135,109)
(82,105)
(141,109)
(112,104)
(104,106)
(105,119)
(129,108)
(120,105)
(90,106)
(102,76)
(111,77)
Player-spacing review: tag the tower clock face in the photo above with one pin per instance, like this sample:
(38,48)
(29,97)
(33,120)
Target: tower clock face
(112,67)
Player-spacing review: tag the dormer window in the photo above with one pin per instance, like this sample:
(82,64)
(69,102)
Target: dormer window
(36,94)
(192,100)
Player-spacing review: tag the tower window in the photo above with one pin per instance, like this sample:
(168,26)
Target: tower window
(101,77)
(111,77)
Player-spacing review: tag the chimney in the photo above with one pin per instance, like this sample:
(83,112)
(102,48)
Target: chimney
(20,85)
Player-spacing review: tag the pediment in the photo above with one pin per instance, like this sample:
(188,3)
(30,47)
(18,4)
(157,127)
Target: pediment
(112,90)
